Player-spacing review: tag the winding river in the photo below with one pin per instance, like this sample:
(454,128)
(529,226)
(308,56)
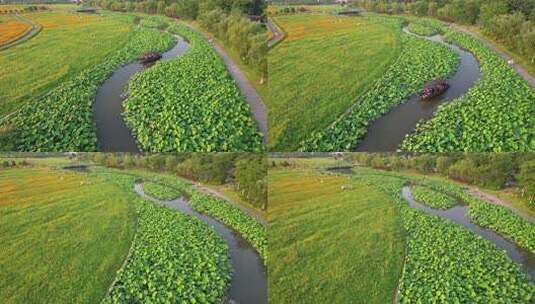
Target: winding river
(113,134)
(459,215)
(388,132)
(249,283)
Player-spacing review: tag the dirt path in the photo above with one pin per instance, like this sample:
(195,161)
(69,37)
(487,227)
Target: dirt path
(35,28)
(476,192)
(258,108)
(209,191)
(519,69)
(277,36)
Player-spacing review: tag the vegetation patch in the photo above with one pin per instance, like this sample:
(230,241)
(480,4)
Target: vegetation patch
(421,30)
(160,191)
(174,259)
(190,104)
(433,198)
(245,225)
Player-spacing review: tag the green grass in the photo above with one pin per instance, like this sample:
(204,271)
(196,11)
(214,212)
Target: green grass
(320,69)
(329,245)
(67,44)
(63,236)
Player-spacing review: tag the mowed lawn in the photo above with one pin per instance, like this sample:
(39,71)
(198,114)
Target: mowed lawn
(319,71)
(67,44)
(64,236)
(330,245)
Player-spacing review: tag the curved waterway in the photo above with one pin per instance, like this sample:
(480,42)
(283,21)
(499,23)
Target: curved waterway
(113,134)
(388,132)
(459,215)
(249,283)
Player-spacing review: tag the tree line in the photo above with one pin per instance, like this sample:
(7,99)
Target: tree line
(236,22)
(490,170)
(511,22)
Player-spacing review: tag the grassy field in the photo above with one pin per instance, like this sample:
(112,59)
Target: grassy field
(11,28)
(327,244)
(340,239)
(320,69)
(68,44)
(63,235)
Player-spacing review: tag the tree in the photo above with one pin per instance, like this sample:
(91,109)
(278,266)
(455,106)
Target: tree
(488,11)
(528,40)
(432,9)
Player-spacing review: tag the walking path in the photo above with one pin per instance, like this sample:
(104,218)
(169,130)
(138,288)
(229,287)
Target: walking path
(519,69)
(34,30)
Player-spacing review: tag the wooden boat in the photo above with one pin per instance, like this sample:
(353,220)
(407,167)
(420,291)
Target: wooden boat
(149,57)
(433,89)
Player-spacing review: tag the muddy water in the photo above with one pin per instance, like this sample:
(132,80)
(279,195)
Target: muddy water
(249,283)
(459,215)
(112,132)
(388,132)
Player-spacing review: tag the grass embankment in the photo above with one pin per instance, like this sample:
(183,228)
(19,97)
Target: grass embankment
(67,44)
(330,245)
(63,236)
(320,69)
(11,28)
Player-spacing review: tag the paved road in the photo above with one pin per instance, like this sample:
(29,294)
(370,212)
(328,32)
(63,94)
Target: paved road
(519,69)
(29,34)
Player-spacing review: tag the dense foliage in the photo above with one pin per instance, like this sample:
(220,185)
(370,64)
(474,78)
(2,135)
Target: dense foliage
(421,29)
(160,192)
(190,104)
(419,62)
(495,115)
(448,264)
(251,179)
(432,198)
(504,221)
(63,119)
(174,259)
(245,225)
